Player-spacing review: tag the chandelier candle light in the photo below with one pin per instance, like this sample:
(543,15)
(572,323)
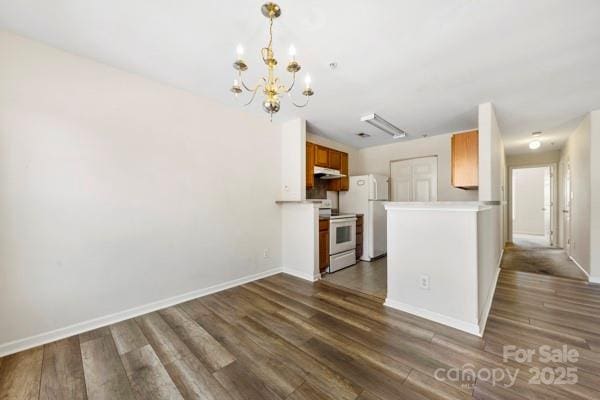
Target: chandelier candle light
(271,86)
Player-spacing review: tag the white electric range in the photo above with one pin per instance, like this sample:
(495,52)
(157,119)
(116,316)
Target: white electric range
(342,237)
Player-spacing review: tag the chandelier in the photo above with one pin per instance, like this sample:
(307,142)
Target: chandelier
(270,85)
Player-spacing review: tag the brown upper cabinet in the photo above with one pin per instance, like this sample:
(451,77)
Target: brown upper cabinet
(465,160)
(321,156)
(335,159)
(310,163)
(344,182)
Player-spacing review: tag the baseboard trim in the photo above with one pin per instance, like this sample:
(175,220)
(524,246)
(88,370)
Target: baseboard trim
(587,274)
(471,328)
(483,318)
(75,329)
(301,275)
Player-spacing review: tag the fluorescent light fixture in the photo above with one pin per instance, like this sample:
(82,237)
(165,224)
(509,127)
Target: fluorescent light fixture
(384,125)
(534,145)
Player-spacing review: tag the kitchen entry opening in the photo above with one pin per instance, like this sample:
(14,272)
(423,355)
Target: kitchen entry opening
(532,211)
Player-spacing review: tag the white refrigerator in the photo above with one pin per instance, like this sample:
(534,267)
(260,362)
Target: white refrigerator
(366,195)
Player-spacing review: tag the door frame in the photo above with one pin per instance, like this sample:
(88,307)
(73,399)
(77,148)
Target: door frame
(567,199)
(553,200)
(437,168)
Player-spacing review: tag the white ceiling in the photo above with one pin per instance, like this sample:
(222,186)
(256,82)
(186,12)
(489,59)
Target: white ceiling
(422,65)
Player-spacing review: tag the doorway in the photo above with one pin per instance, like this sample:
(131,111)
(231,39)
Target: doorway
(414,179)
(533,199)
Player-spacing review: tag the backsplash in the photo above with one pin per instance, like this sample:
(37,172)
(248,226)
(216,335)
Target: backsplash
(318,191)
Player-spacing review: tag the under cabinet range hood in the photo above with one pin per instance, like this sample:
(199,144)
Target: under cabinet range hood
(328,173)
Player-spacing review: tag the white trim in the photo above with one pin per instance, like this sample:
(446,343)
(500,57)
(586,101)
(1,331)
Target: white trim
(595,279)
(473,329)
(301,275)
(587,274)
(488,303)
(80,327)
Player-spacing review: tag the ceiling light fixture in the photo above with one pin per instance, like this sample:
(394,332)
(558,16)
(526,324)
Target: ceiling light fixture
(384,125)
(363,135)
(534,145)
(271,86)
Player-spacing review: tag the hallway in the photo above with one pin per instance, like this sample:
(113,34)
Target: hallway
(529,256)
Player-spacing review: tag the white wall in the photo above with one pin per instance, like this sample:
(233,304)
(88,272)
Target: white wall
(533,158)
(492,172)
(595,196)
(293,160)
(117,191)
(577,153)
(492,163)
(528,200)
(376,160)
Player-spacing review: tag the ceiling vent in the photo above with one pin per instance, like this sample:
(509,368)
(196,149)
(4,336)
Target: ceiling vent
(384,125)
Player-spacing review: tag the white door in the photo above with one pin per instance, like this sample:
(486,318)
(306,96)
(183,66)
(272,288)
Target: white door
(401,181)
(547,205)
(414,179)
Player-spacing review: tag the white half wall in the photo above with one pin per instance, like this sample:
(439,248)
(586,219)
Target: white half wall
(119,192)
(300,239)
(453,246)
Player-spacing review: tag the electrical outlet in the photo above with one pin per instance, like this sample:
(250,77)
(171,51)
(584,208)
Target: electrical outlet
(266,253)
(424,282)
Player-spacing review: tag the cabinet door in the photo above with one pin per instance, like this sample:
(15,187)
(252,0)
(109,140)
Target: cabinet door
(465,160)
(335,159)
(345,181)
(323,250)
(310,165)
(321,156)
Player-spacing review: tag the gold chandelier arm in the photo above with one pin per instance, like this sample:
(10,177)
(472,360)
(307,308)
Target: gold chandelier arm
(246,86)
(283,89)
(253,95)
(301,105)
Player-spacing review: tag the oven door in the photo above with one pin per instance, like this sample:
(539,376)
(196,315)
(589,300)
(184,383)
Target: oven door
(342,235)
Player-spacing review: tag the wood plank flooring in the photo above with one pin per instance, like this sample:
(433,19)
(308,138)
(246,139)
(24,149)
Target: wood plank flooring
(531,256)
(284,338)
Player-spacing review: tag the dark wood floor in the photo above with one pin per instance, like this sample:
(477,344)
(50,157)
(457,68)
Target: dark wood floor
(532,256)
(284,338)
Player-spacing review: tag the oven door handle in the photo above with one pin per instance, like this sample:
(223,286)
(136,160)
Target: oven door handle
(344,221)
